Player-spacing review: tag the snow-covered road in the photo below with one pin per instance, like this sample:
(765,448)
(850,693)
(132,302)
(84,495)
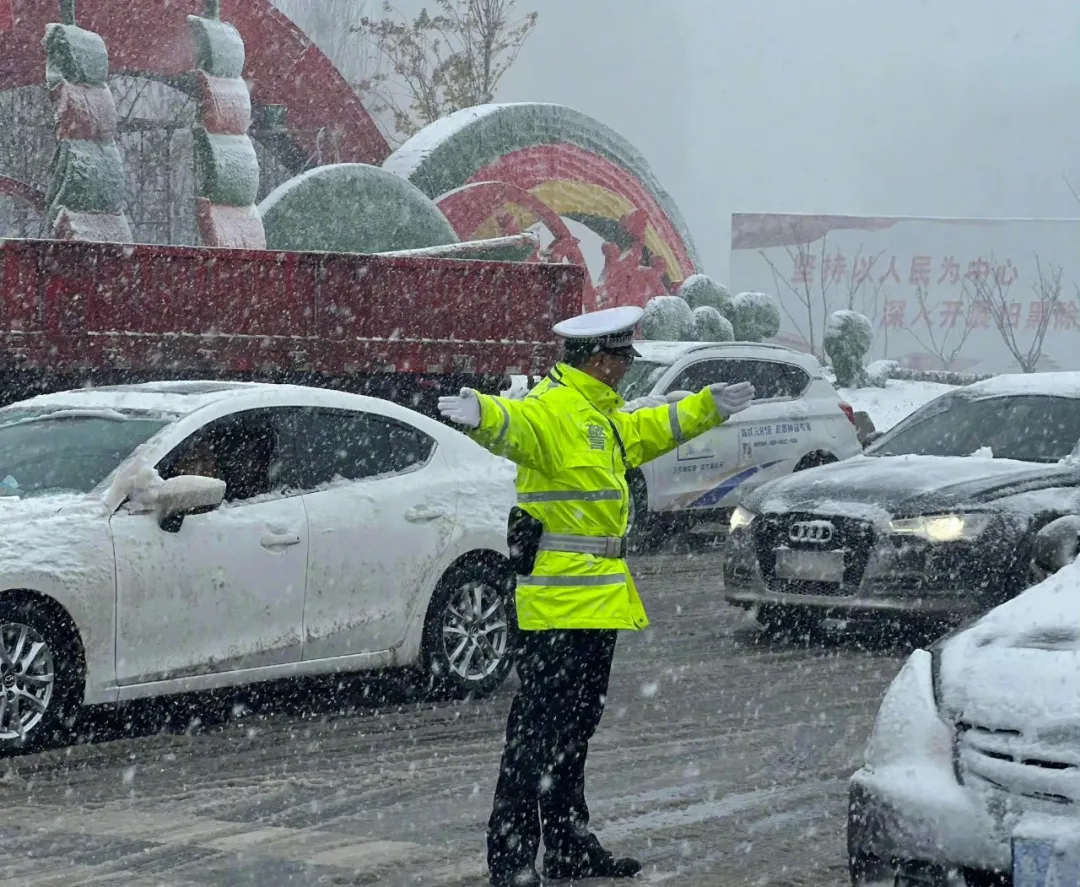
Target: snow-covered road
(720,761)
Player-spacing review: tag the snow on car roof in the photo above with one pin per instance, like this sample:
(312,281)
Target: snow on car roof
(1056,384)
(668,353)
(176,398)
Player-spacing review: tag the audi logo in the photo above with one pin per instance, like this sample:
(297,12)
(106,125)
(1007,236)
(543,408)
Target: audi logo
(820,531)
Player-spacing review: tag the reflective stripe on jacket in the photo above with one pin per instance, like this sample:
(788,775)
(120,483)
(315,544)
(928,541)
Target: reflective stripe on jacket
(573,447)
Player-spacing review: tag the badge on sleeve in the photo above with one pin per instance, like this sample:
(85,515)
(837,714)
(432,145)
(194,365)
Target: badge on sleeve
(597,439)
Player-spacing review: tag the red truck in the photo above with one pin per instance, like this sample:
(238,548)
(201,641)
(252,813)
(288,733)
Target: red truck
(402,328)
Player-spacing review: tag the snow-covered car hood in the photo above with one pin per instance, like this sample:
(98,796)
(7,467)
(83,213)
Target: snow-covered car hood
(1018,667)
(904,484)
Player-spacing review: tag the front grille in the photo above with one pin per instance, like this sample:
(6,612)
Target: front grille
(1007,760)
(855,537)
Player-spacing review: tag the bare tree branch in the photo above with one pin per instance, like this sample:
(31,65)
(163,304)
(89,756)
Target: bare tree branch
(1072,190)
(436,64)
(992,291)
(945,348)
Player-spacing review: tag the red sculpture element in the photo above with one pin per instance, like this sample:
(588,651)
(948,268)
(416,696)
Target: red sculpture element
(228,166)
(84,112)
(473,206)
(28,194)
(150,38)
(625,280)
(225,104)
(86,197)
(591,181)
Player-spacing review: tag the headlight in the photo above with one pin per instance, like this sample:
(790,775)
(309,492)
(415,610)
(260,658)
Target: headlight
(740,518)
(941,527)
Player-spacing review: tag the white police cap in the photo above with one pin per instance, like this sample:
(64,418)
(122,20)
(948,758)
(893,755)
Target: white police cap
(609,329)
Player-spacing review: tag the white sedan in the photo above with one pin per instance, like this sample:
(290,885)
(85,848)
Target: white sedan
(177,537)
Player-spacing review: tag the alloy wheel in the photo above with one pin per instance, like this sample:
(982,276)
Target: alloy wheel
(27,680)
(475,631)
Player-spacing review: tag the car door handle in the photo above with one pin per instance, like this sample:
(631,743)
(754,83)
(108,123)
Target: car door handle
(280,540)
(422,514)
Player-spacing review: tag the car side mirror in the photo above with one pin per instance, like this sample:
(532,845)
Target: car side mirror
(871,437)
(187,494)
(1057,544)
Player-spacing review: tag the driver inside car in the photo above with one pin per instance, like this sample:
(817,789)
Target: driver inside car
(199,460)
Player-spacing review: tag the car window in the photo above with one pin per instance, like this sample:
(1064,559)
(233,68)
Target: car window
(66,450)
(640,378)
(770,378)
(1031,428)
(252,451)
(705,372)
(352,445)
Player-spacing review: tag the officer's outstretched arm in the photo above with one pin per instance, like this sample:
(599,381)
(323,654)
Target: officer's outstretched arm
(519,430)
(652,431)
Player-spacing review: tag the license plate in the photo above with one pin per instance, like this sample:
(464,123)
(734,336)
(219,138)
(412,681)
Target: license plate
(1037,864)
(810,566)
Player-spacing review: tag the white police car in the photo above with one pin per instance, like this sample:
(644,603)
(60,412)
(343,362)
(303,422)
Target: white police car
(797,421)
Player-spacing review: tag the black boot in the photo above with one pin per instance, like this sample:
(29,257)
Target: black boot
(526,877)
(588,860)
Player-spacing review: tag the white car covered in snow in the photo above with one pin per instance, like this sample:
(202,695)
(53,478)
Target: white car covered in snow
(797,421)
(176,537)
(972,772)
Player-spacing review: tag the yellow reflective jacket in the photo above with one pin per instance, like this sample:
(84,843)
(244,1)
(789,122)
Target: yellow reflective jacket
(573,448)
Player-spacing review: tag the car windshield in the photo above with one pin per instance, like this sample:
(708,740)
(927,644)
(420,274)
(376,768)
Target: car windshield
(641,378)
(64,450)
(1030,428)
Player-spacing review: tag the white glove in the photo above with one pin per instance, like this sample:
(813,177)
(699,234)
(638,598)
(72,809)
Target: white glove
(731,399)
(676,396)
(641,403)
(463,409)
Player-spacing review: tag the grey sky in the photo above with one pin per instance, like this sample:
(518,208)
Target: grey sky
(917,107)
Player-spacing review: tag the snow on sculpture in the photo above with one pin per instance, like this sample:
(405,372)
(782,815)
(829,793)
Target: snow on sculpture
(848,336)
(755,316)
(226,166)
(699,290)
(352,208)
(324,117)
(711,326)
(668,319)
(85,200)
(574,166)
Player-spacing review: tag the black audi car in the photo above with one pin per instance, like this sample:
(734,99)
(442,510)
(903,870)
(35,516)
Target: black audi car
(935,522)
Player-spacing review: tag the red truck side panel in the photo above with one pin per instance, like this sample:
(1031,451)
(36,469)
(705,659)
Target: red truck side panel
(68,307)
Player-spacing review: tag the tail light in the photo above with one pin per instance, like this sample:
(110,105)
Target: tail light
(848,411)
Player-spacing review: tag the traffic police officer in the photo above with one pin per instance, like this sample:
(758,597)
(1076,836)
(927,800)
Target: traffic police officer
(573,444)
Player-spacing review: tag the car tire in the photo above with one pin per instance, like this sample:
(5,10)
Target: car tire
(469,633)
(41,675)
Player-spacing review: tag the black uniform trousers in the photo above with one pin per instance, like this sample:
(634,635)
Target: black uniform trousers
(541,788)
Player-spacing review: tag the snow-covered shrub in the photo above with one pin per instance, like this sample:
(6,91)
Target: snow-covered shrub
(755,317)
(848,335)
(668,319)
(701,290)
(879,372)
(711,326)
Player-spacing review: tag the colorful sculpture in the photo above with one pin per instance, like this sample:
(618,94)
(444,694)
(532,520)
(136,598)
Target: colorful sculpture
(487,172)
(576,168)
(85,200)
(226,166)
